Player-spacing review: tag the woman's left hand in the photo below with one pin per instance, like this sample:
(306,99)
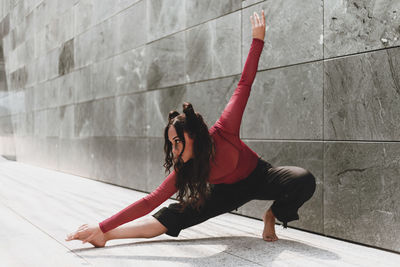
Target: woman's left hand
(88,233)
(258,25)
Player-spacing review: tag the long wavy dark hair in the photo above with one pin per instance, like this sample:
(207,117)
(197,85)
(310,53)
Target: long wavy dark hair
(192,176)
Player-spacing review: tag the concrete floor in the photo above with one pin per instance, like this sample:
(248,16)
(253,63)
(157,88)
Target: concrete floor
(39,207)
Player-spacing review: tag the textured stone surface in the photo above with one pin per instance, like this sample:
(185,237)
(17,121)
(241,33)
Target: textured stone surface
(104,117)
(4,105)
(59,29)
(83,118)
(76,157)
(132,162)
(53,122)
(130,71)
(105,37)
(50,64)
(103,151)
(285,103)
(39,96)
(362,96)
(40,125)
(66,121)
(56,92)
(6,126)
(294,32)
(131,31)
(246,3)
(165,62)
(18,78)
(22,124)
(209,98)
(201,11)
(66,88)
(131,115)
(83,18)
(104,78)
(83,48)
(50,148)
(66,60)
(159,103)
(5,26)
(212,48)
(361,190)
(15,102)
(8,146)
(164,17)
(25,234)
(361,25)
(83,85)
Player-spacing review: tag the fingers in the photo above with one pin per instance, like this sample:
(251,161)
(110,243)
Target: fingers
(75,235)
(70,237)
(252,22)
(263,18)
(82,227)
(256,21)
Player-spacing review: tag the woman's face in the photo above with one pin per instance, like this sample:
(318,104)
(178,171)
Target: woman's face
(177,144)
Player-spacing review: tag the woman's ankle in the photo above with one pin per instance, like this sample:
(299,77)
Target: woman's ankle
(269,215)
(107,236)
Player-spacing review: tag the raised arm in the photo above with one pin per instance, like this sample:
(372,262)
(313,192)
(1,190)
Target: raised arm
(142,206)
(231,117)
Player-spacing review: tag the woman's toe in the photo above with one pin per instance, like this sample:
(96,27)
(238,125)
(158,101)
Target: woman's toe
(267,238)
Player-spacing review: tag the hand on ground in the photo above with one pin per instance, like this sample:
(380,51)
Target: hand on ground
(88,233)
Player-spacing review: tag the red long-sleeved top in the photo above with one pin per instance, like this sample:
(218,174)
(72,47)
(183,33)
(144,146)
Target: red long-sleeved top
(234,160)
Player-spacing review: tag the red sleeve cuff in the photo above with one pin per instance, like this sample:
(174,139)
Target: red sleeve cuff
(101,228)
(258,40)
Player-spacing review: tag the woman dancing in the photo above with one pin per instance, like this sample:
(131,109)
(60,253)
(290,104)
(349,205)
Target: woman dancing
(214,172)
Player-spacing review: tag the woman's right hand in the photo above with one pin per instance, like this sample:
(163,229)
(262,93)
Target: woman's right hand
(89,233)
(258,25)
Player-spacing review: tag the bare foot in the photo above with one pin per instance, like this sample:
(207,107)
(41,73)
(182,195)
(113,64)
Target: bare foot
(99,241)
(269,227)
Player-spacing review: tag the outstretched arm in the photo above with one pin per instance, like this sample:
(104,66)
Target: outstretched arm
(231,117)
(142,206)
(96,233)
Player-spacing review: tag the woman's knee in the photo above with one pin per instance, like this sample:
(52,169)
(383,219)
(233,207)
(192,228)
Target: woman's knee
(310,177)
(303,174)
(304,179)
(310,184)
(154,227)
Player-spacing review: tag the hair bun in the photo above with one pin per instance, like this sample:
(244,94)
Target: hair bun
(188,110)
(190,115)
(172,114)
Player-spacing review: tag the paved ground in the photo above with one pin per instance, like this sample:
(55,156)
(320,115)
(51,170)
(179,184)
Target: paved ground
(39,207)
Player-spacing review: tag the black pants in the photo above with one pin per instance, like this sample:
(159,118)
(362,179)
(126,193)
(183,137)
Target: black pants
(289,186)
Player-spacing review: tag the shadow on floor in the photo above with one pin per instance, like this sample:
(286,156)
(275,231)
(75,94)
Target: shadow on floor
(245,247)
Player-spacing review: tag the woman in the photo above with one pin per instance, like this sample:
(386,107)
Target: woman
(214,172)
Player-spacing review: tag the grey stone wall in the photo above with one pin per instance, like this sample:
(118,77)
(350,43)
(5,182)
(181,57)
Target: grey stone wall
(86,89)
